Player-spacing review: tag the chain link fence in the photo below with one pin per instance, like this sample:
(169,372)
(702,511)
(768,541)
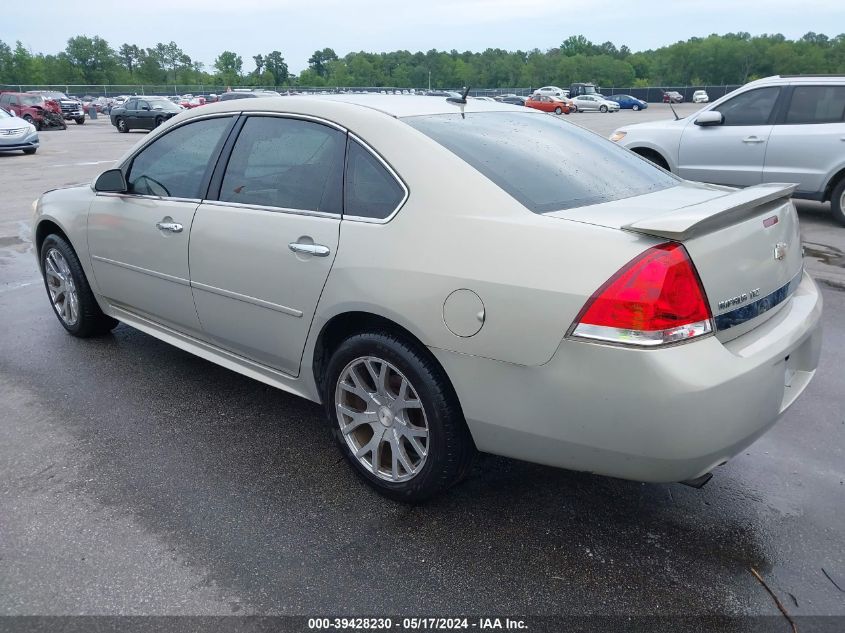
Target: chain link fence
(651,94)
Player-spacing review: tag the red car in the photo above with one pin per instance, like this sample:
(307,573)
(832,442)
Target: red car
(673,97)
(193,102)
(548,104)
(30,107)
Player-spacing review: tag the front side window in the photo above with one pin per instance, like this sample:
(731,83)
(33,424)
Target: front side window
(371,191)
(544,163)
(816,104)
(287,163)
(132,104)
(750,108)
(174,165)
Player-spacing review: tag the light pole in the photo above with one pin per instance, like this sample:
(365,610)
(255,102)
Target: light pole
(429,81)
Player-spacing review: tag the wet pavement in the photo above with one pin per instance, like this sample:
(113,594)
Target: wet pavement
(138,479)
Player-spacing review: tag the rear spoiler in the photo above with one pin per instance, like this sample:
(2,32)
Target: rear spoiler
(714,214)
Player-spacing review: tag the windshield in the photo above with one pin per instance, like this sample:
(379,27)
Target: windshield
(523,154)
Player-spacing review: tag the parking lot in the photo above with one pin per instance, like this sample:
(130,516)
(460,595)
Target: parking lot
(138,479)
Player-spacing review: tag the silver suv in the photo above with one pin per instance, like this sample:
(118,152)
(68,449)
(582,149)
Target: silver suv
(778,129)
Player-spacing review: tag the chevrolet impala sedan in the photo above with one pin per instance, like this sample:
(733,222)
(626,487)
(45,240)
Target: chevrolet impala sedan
(431,273)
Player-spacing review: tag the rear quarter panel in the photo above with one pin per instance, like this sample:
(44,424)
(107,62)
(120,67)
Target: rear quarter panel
(459,230)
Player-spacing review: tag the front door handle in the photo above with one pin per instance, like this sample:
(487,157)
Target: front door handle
(318,250)
(173,227)
(753,139)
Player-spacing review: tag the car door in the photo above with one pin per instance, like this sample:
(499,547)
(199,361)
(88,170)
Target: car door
(144,115)
(734,152)
(138,240)
(261,252)
(808,143)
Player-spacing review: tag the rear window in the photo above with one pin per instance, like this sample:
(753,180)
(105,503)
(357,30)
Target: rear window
(545,163)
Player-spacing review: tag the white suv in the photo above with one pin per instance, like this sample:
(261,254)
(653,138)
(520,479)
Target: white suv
(778,129)
(552,91)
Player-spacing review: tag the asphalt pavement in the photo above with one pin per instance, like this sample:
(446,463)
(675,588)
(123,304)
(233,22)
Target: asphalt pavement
(138,479)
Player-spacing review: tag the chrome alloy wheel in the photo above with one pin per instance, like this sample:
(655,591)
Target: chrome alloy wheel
(382,419)
(62,289)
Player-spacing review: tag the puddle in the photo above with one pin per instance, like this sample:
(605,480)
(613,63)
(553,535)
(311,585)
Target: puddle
(10,241)
(829,255)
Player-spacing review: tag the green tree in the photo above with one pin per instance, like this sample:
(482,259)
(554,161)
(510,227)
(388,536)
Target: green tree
(318,62)
(229,66)
(93,57)
(276,66)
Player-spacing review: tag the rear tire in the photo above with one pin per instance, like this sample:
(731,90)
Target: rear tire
(837,202)
(67,288)
(412,377)
(159,120)
(121,125)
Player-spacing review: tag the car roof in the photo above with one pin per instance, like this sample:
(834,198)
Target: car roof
(786,79)
(341,105)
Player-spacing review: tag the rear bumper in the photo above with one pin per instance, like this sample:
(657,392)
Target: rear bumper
(649,415)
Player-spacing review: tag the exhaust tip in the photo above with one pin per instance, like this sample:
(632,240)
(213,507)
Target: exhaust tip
(698,482)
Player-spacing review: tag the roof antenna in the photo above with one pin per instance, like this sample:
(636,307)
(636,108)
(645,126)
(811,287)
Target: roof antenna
(461,99)
(677,118)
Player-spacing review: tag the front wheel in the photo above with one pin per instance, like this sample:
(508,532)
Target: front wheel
(603,108)
(396,417)
(122,126)
(837,202)
(80,121)
(69,292)
(635,107)
(558,110)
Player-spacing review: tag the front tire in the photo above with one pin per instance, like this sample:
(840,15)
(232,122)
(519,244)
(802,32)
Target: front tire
(69,292)
(603,108)
(396,417)
(837,202)
(635,107)
(80,121)
(558,111)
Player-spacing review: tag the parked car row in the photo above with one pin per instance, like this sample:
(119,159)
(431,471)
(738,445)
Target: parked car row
(41,109)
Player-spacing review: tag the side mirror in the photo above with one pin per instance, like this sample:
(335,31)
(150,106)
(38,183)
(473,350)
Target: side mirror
(712,117)
(145,108)
(111,181)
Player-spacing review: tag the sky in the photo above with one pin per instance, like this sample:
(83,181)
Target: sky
(204,28)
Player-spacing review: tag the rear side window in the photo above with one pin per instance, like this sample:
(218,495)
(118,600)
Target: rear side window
(545,163)
(174,164)
(286,163)
(816,104)
(750,108)
(371,191)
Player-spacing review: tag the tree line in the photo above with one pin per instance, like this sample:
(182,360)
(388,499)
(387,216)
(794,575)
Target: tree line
(733,58)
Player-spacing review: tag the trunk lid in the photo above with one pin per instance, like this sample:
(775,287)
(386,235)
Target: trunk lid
(744,243)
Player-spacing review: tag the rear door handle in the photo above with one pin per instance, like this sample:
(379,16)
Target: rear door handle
(318,250)
(753,139)
(173,227)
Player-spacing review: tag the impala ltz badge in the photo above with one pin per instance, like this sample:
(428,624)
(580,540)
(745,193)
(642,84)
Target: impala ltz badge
(780,250)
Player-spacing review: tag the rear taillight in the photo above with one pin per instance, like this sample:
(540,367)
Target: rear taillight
(655,299)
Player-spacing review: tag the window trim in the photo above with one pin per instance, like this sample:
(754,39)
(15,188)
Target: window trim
(215,183)
(406,192)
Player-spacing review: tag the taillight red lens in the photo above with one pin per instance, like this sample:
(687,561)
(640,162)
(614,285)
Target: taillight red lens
(656,298)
